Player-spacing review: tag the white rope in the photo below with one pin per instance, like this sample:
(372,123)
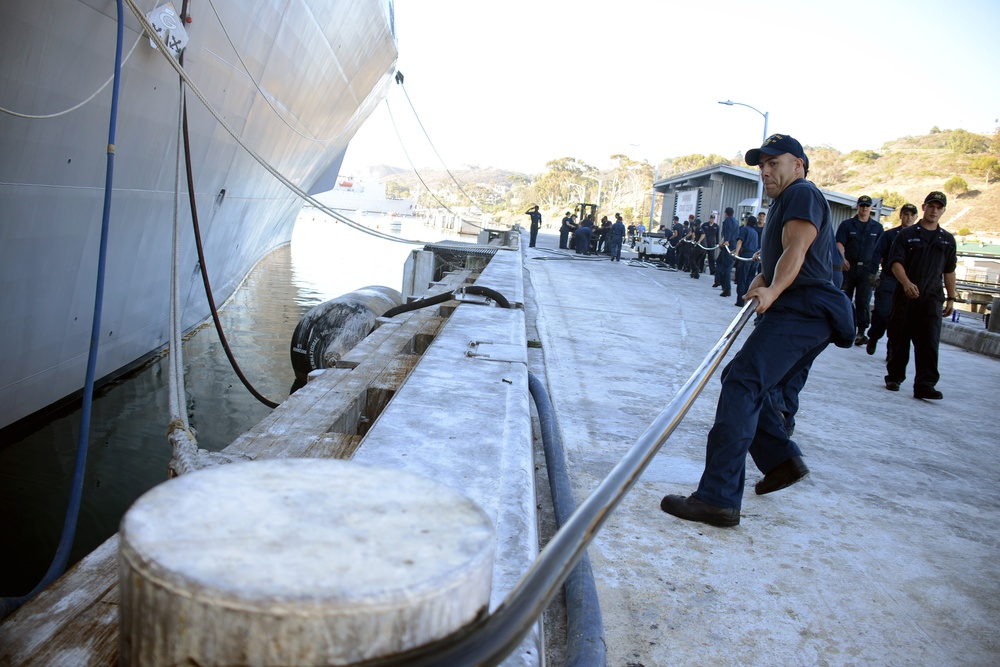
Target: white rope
(260,160)
(77,106)
(178,399)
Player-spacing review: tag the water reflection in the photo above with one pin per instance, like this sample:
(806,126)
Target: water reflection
(128,448)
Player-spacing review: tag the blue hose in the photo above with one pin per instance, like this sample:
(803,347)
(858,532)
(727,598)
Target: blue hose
(9,604)
(585,646)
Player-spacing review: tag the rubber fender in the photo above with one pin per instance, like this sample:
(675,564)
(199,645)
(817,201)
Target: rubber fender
(328,331)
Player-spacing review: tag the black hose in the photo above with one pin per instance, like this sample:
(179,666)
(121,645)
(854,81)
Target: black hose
(487,292)
(420,303)
(204,272)
(585,644)
(447,296)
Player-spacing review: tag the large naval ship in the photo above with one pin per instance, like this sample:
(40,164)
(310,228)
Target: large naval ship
(293,79)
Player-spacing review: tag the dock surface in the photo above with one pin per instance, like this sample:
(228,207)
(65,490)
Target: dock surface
(887,554)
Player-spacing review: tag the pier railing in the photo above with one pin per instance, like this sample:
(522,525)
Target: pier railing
(492,638)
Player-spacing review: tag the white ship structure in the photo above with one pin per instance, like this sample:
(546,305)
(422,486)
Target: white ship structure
(294,79)
(352,194)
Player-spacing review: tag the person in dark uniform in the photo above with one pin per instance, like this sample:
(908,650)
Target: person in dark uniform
(602,238)
(747,245)
(673,241)
(710,239)
(564,229)
(885,285)
(616,238)
(687,244)
(759,228)
(801,312)
(536,222)
(696,258)
(921,256)
(727,242)
(856,238)
(582,236)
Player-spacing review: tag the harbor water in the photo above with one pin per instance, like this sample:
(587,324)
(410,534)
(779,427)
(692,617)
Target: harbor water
(128,451)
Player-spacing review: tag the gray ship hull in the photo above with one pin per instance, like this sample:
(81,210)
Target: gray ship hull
(321,66)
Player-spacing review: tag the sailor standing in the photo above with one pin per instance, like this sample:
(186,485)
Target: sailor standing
(856,238)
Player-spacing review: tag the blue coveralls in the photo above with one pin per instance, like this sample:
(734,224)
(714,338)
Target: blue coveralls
(859,239)
(536,222)
(807,316)
(745,271)
(564,230)
(886,284)
(724,267)
(582,239)
(926,255)
(617,238)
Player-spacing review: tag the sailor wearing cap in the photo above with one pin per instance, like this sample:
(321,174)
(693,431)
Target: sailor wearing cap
(921,256)
(885,284)
(856,238)
(801,313)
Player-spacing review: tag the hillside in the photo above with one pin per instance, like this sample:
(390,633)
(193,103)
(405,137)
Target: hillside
(902,170)
(906,169)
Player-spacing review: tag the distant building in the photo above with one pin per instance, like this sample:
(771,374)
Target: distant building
(711,189)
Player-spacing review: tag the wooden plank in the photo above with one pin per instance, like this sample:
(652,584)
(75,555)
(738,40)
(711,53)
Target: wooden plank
(73,622)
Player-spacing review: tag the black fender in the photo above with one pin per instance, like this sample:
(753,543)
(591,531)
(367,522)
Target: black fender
(328,331)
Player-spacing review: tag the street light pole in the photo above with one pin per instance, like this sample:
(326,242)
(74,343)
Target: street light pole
(760,183)
(652,197)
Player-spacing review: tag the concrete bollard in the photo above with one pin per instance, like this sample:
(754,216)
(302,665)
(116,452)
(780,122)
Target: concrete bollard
(298,562)
(994,321)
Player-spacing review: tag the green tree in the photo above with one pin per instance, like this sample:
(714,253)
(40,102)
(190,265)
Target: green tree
(396,190)
(987,166)
(935,130)
(556,184)
(863,157)
(691,162)
(893,199)
(967,142)
(964,231)
(956,185)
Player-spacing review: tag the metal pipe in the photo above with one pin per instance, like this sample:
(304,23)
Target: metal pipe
(493,638)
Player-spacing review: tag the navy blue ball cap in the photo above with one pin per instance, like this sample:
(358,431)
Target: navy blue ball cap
(777,144)
(936,196)
(908,208)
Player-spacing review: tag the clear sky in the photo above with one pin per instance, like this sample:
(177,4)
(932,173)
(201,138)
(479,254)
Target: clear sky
(515,84)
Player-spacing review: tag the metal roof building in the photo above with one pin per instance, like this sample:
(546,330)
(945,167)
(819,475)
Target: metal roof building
(702,191)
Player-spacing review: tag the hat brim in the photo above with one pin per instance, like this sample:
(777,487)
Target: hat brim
(753,155)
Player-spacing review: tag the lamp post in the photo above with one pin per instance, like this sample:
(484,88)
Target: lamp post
(760,183)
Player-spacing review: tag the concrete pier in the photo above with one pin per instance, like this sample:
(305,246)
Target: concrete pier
(885,555)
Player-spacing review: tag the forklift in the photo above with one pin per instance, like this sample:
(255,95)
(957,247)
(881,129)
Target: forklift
(582,210)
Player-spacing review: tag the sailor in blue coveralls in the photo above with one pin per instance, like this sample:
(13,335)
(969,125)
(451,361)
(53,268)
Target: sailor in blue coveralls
(921,257)
(801,313)
(856,238)
(887,281)
(727,243)
(747,245)
(536,222)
